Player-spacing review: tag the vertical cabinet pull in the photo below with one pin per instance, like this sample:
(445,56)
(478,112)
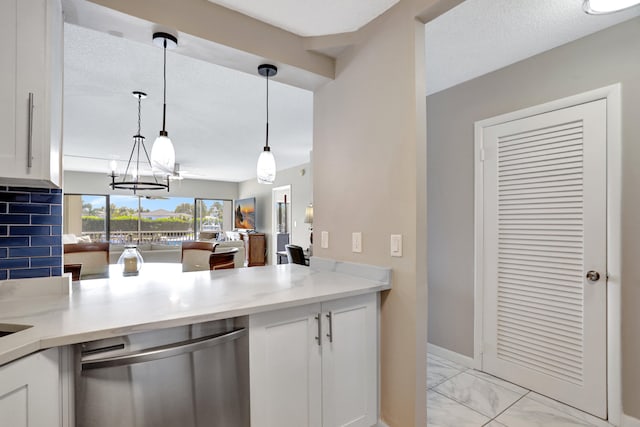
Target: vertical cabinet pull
(318,318)
(30,133)
(330,334)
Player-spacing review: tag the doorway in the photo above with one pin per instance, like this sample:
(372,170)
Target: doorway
(547,316)
(281,197)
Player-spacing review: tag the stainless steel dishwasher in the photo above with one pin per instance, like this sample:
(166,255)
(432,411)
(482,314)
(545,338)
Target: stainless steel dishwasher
(188,376)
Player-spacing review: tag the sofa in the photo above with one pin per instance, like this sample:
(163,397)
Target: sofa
(158,252)
(151,252)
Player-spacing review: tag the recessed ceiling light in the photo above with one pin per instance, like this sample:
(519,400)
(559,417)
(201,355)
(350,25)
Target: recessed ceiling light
(598,7)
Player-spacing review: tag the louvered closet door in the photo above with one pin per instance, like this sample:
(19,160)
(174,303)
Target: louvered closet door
(544,229)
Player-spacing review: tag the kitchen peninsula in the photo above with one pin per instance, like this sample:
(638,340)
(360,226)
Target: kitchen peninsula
(332,306)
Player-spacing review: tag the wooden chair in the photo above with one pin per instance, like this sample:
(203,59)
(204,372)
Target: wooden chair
(93,258)
(223,259)
(295,254)
(195,255)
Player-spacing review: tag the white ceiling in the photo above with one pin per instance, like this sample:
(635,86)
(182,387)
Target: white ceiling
(480,36)
(215,115)
(307,18)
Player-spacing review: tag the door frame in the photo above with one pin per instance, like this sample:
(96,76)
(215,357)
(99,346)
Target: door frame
(613,96)
(274,218)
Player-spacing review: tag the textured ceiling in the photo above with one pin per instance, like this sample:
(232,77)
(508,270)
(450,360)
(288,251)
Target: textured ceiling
(480,36)
(215,115)
(307,18)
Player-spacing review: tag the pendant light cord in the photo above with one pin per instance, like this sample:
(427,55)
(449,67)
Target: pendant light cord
(164,85)
(267,133)
(139,114)
(138,137)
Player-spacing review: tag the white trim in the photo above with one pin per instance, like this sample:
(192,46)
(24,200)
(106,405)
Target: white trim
(460,359)
(612,94)
(478,258)
(629,421)
(614,253)
(381,424)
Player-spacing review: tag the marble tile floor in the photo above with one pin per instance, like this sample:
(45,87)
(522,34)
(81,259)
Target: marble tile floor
(461,397)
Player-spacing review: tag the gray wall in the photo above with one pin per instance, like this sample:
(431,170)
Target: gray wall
(604,58)
(301,196)
(97,183)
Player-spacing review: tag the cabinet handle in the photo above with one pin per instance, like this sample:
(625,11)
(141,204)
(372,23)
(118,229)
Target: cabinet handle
(319,336)
(330,334)
(30,133)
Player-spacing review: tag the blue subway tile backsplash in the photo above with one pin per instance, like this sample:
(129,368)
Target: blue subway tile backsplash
(26,273)
(28,208)
(30,251)
(14,241)
(30,232)
(46,198)
(10,196)
(15,219)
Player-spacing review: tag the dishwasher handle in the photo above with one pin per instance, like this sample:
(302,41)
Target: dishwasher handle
(161,352)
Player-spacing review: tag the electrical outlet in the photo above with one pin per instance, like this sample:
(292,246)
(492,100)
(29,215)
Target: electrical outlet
(396,245)
(356,242)
(324,240)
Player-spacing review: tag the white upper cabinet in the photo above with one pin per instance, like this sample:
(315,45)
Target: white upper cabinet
(31,92)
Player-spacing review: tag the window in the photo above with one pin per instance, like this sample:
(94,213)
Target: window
(212,217)
(139,219)
(86,215)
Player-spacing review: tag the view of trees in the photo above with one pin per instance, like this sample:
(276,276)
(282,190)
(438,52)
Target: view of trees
(158,219)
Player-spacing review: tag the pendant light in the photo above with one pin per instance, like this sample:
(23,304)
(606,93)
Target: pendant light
(599,7)
(131,178)
(266,169)
(163,155)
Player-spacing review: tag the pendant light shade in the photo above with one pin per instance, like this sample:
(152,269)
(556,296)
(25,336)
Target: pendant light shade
(163,155)
(599,7)
(266,169)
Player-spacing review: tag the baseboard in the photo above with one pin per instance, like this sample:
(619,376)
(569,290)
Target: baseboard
(629,421)
(451,355)
(381,424)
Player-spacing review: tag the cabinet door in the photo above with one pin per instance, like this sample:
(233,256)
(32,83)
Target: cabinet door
(350,362)
(285,368)
(8,82)
(257,247)
(31,31)
(29,391)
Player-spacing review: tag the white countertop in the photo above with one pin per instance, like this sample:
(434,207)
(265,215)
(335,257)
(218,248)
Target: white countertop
(162,296)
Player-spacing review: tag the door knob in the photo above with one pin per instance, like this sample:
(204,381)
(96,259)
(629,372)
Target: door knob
(593,276)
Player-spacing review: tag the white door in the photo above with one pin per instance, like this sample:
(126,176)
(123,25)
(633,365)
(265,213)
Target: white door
(544,210)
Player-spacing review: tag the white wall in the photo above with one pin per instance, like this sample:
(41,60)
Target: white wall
(301,195)
(370,176)
(601,59)
(96,183)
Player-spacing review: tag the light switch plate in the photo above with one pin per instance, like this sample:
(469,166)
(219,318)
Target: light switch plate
(356,242)
(324,240)
(396,245)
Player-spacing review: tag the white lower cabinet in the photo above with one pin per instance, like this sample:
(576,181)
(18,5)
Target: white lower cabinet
(316,365)
(30,391)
